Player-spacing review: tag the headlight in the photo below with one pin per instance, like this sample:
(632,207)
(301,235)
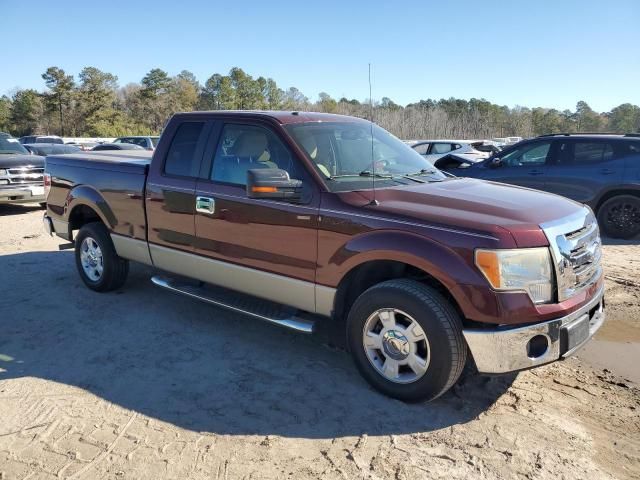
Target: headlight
(3,172)
(524,269)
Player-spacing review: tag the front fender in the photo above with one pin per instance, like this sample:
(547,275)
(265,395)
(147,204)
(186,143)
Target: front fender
(453,267)
(448,266)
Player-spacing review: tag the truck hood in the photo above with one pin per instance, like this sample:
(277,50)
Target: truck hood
(477,205)
(14,160)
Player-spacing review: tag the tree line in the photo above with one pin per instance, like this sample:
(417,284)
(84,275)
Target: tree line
(94,105)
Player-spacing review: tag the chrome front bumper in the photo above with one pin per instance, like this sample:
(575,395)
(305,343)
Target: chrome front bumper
(22,194)
(502,350)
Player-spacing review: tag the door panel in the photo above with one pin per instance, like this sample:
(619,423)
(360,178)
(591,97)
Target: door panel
(268,235)
(170,189)
(525,166)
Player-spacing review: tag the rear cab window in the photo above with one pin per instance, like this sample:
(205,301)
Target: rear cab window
(181,159)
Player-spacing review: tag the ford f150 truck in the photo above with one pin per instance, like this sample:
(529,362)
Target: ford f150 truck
(21,174)
(298,218)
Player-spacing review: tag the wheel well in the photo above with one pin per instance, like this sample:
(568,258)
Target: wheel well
(81,215)
(615,193)
(368,274)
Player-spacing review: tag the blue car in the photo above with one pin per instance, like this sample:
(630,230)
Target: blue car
(600,170)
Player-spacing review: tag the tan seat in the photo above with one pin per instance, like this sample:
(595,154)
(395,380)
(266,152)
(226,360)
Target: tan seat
(250,151)
(319,155)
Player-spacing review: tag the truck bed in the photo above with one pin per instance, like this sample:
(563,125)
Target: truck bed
(127,161)
(118,188)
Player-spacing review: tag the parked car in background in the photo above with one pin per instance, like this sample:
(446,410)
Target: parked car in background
(602,171)
(44,149)
(435,149)
(506,141)
(41,139)
(21,174)
(148,143)
(116,146)
(274,214)
(82,146)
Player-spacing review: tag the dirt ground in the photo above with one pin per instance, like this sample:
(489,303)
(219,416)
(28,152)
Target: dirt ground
(143,384)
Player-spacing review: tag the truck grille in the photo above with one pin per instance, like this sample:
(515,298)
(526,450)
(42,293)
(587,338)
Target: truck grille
(577,252)
(24,175)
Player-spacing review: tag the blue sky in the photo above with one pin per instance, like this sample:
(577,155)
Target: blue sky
(532,53)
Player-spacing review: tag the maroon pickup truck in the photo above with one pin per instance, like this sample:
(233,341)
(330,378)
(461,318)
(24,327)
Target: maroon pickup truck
(297,218)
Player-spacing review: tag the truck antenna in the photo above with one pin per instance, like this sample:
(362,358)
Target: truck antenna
(373,163)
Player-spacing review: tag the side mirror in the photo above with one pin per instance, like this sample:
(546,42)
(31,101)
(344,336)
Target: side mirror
(495,162)
(272,183)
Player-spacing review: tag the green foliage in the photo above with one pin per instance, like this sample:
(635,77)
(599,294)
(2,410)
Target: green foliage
(625,118)
(97,106)
(26,110)
(5,114)
(326,103)
(61,89)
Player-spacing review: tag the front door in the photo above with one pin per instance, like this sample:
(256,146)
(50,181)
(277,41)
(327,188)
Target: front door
(264,247)
(525,166)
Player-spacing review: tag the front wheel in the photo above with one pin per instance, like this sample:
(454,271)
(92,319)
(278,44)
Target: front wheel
(619,217)
(406,340)
(100,267)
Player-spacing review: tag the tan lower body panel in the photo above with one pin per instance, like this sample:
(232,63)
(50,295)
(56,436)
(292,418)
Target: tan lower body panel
(131,249)
(306,296)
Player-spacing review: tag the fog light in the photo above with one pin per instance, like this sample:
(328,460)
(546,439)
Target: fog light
(537,346)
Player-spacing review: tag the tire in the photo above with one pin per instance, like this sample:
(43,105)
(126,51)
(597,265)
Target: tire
(441,356)
(619,217)
(100,268)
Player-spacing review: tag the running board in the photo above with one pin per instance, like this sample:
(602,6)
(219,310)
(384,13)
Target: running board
(238,302)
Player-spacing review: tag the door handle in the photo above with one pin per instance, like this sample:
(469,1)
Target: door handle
(535,172)
(205,205)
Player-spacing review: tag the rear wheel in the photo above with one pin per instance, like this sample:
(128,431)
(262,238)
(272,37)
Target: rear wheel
(100,267)
(406,340)
(619,217)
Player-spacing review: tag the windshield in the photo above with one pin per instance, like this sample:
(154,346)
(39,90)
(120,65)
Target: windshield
(346,155)
(11,145)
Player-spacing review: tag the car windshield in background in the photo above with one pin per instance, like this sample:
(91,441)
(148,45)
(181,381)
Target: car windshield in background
(9,145)
(348,156)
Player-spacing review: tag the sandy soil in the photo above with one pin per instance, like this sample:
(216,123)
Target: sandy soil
(143,384)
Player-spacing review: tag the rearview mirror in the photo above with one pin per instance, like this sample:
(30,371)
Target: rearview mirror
(272,183)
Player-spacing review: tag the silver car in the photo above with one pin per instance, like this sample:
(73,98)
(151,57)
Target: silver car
(433,150)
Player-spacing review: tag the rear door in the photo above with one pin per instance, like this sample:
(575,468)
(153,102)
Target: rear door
(583,168)
(524,165)
(170,191)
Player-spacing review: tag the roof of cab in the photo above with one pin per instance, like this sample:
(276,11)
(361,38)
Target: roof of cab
(282,117)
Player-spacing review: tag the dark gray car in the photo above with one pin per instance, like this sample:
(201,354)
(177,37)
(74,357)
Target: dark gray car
(602,171)
(116,146)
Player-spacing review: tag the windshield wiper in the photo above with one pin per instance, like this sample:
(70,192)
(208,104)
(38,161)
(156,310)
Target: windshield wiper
(424,171)
(364,173)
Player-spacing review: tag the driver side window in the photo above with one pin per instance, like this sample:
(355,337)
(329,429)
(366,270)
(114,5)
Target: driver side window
(527,155)
(247,147)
